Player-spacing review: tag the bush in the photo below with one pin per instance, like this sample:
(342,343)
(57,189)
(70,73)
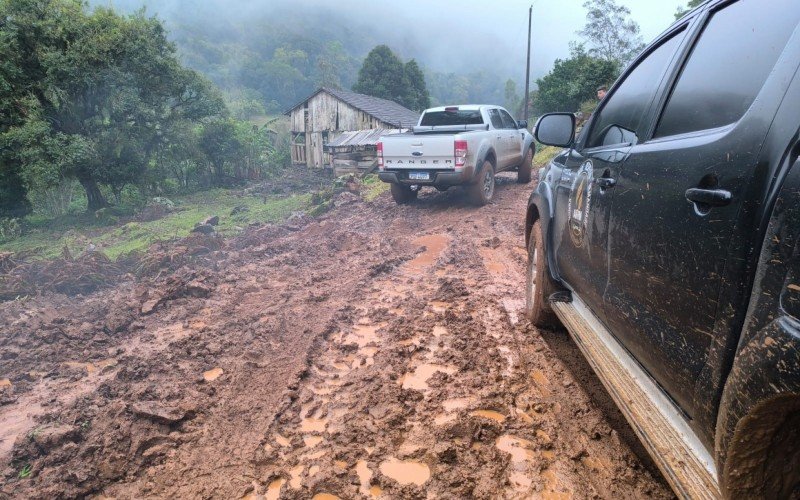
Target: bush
(10,229)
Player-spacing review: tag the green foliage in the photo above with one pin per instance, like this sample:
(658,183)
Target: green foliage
(610,33)
(384,75)
(682,11)
(573,81)
(26,471)
(544,154)
(417,96)
(10,229)
(451,88)
(48,238)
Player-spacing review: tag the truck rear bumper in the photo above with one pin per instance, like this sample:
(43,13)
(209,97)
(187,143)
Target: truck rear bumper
(437,178)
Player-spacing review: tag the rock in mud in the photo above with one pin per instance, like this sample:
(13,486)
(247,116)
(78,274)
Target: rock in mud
(149,306)
(52,436)
(160,413)
(346,198)
(204,229)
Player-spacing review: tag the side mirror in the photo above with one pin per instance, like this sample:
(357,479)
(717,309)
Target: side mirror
(522,124)
(555,129)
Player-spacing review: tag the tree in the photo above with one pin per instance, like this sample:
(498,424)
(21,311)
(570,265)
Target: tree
(417,96)
(384,75)
(682,11)
(610,33)
(381,75)
(573,81)
(221,146)
(104,88)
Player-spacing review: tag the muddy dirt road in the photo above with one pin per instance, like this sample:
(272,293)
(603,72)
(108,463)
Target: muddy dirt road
(373,352)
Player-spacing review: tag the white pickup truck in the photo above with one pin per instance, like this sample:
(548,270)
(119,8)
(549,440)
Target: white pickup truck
(456,145)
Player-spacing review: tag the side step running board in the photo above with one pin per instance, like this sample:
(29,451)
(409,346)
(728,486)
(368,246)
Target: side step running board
(675,448)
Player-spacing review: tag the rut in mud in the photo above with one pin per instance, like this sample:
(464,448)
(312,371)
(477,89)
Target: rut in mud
(377,351)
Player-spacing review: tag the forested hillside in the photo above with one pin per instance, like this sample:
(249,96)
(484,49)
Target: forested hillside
(266,58)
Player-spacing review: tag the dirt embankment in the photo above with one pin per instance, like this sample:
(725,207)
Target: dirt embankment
(377,351)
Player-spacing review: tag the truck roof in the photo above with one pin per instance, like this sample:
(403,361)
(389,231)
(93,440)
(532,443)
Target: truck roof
(465,107)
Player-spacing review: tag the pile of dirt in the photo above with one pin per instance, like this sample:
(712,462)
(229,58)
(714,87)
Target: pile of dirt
(67,275)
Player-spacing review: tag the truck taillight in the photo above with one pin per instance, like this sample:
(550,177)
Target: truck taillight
(461,153)
(379,149)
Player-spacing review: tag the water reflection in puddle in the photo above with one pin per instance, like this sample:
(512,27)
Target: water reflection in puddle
(312,441)
(274,489)
(418,379)
(434,245)
(490,414)
(406,472)
(457,403)
(212,374)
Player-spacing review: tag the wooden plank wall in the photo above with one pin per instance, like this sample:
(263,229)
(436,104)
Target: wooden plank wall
(326,113)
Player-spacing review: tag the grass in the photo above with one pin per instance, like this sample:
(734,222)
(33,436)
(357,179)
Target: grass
(26,472)
(47,241)
(544,154)
(372,187)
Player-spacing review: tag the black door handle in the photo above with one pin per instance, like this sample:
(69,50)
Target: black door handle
(709,197)
(606,182)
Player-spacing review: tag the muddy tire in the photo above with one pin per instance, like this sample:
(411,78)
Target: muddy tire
(764,460)
(482,191)
(524,171)
(403,194)
(538,287)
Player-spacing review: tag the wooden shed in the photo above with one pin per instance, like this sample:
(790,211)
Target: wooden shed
(328,112)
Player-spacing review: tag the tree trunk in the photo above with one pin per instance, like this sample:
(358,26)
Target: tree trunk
(94,197)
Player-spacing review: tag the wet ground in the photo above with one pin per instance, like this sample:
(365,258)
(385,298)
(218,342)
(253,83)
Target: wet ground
(375,352)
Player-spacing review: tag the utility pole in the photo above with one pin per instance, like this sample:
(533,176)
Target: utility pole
(528,65)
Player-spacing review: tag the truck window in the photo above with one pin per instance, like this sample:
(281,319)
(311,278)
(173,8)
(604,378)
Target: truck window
(497,121)
(621,118)
(508,122)
(729,65)
(458,117)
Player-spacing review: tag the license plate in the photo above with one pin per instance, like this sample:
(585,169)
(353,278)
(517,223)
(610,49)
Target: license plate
(419,176)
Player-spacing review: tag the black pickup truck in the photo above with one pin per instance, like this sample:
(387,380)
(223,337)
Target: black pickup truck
(666,238)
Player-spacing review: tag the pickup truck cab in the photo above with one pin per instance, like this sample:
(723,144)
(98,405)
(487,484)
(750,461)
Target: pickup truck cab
(456,145)
(666,238)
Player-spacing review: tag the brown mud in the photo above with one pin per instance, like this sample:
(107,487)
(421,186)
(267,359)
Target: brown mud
(374,352)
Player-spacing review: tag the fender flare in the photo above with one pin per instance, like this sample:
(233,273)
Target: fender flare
(484,152)
(541,206)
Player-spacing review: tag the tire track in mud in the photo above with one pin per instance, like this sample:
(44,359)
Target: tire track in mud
(438,389)
(376,352)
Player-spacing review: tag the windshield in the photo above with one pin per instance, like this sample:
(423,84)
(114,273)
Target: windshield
(459,117)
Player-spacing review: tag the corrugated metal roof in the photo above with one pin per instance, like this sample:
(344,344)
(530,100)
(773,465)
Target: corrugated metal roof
(383,109)
(359,138)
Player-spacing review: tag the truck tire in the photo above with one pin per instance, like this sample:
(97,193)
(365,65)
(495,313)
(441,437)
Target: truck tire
(482,191)
(403,194)
(524,171)
(537,286)
(764,459)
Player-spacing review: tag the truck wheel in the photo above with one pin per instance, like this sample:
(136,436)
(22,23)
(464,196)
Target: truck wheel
(403,194)
(482,191)
(764,459)
(524,171)
(538,287)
